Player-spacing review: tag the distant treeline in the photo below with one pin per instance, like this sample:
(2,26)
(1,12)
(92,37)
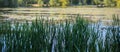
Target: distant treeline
(55,3)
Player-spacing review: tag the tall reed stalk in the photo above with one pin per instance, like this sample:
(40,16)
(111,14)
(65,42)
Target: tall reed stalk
(43,35)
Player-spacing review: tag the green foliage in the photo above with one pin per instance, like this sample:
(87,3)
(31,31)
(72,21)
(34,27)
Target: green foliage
(41,35)
(96,1)
(52,2)
(108,2)
(85,2)
(40,2)
(20,2)
(1,3)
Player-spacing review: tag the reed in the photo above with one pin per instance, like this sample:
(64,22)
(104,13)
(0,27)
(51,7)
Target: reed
(43,35)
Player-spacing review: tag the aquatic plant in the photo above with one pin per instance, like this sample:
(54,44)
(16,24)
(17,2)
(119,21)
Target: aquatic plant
(48,36)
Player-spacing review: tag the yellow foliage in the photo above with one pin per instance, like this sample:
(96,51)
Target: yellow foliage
(64,3)
(118,3)
(52,2)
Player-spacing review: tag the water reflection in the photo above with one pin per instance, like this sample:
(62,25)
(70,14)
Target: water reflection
(51,13)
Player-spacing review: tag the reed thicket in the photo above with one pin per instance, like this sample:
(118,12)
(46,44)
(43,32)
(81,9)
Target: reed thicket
(47,36)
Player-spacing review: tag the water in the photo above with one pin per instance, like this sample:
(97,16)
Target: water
(99,27)
(31,15)
(58,13)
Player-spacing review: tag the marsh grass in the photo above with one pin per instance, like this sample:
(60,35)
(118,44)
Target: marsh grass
(47,36)
(116,33)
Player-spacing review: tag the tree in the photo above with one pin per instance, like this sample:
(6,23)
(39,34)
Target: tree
(84,2)
(71,2)
(89,2)
(96,2)
(20,2)
(118,3)
(25,2)
(64,3)
(1,3)
(14,3)
(52,2)
(74,2)
(109,2)
(40,2)
(6,3)
(10,3)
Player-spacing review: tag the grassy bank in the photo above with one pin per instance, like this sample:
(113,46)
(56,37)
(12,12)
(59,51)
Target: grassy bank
(48,36)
